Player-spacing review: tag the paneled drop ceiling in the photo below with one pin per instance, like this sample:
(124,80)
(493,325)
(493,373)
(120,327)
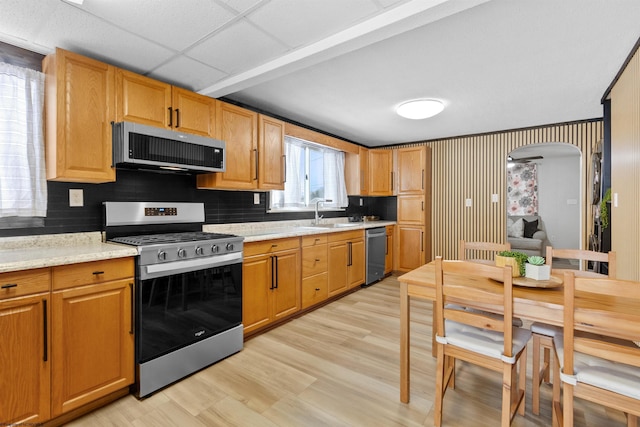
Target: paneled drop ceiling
(342,66)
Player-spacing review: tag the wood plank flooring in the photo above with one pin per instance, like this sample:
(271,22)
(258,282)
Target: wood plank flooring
(336,366)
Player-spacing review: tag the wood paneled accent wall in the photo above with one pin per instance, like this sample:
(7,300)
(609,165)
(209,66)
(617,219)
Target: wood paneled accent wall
(474,167)
(625,169)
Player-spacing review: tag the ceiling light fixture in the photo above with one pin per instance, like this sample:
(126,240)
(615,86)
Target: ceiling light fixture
(75,1)
(420,108)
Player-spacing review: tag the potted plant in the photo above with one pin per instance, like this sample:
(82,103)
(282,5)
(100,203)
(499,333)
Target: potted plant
(515,259)
(536,269)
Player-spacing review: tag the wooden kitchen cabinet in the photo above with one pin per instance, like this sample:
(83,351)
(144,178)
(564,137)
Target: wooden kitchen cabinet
(147,101)
(92,331)
(411,247)
(412,170)
(270,282)
(25,373)
(314,270)
(388,256)
(255,151)
(380,171)
(356,171)
(79,109)
(346,259)
(271,157)
(414,207)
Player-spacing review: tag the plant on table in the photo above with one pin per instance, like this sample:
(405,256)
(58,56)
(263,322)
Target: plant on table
(520,258)
(537,269)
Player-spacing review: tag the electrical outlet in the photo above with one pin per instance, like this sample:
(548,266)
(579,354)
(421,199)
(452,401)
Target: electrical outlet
(495,198)
(360,201)
(256,198)
(76,197)
(467,203)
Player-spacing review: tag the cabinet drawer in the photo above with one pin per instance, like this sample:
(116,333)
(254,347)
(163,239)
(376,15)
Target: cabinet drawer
(89,273)
(346,235)
(271,246)
(314,290)
(316,239)
(314,260)
(19,283)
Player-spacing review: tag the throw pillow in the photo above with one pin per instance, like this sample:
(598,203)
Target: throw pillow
(515,228)
(530,227)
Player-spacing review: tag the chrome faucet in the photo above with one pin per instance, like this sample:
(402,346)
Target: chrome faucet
(319,217)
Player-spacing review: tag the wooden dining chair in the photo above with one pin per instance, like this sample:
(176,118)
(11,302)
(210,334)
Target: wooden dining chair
(480,250)
(485,337)
(597,365)
(542,333)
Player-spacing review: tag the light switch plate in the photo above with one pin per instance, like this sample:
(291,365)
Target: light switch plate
(495,198)
(467,203)
(76,197)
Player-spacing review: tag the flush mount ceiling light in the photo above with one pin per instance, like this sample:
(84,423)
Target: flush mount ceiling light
(420,108)
(75,1)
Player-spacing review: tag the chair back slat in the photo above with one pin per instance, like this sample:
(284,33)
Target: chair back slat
(477,319)
(480,250)
(583,256)
(615,351)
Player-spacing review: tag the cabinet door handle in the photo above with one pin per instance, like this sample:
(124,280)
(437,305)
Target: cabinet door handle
(423,179)
(317,289)
(132,308)
(423,206)
(350,260)
(97,273)
(317,259)
(386,246)
(256,163)
(276,269)
(9,285)
(177,118)
(284,168)
(422,241)
(273,271)
(170,117)
(45,334)
(392,181)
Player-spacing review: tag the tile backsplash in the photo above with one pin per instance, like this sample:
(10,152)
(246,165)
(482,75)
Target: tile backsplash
(131,185)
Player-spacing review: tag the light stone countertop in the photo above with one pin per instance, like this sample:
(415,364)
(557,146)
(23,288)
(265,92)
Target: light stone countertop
(47,250)
(27,252)
(269,230)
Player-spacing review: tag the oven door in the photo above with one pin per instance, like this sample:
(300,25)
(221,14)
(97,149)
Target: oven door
(178,309)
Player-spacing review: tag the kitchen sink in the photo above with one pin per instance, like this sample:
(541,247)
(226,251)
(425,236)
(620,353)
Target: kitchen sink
(335,225)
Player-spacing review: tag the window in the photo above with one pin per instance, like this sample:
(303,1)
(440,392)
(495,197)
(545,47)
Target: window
(23,187)
(313,172)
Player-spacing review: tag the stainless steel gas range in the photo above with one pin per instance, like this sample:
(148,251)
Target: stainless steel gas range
(188,298)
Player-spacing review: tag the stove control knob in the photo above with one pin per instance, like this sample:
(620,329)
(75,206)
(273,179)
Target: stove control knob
(199,250)
(162,255)
(214,249)
(229,246)
(182,253)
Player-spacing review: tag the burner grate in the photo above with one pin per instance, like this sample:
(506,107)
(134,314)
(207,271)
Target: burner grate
(153,239)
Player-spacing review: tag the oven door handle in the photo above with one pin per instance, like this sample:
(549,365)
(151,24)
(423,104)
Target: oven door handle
(177,267)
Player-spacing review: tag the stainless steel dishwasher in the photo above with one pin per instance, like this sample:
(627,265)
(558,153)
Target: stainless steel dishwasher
(376,242)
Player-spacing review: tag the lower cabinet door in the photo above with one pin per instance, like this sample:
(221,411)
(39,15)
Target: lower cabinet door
(92,343)
(357,263)
(256,292)
(411,247)
(286,295)
(337,253)
(24,360)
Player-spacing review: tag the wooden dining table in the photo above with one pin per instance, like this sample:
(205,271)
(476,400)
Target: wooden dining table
(529,303)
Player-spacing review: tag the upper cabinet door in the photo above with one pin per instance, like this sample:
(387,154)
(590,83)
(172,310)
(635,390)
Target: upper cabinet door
(239,130)
(271,160)
(412,170)
(380,172)
(79,106)
(194,113)
(143,100)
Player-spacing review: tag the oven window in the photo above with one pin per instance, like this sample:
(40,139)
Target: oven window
(177,310)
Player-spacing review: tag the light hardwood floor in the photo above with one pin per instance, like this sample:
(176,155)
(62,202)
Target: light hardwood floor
(336,366)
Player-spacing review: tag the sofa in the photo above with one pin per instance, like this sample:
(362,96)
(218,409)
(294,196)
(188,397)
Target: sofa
(526,235)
